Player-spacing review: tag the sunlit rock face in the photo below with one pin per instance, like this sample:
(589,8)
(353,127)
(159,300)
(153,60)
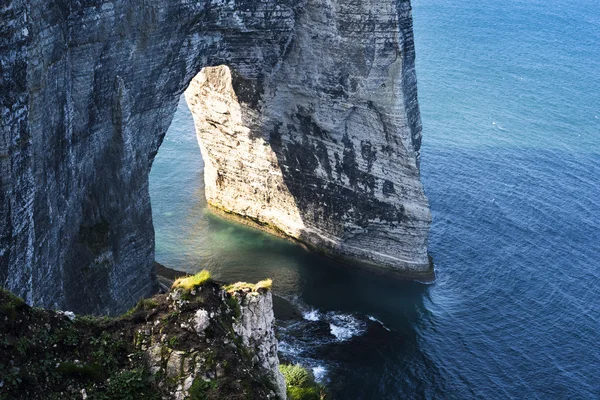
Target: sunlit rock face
(325,148)
(241,167)
(88,90)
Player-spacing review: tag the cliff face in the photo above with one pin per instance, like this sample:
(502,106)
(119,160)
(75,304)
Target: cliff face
(255,327)
(182,345)
(325,148)
(88,90)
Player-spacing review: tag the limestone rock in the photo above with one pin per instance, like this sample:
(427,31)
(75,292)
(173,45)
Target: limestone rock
(144,353)
(88,90)
(256,328)
(154,355)
(174,364)
(201,321)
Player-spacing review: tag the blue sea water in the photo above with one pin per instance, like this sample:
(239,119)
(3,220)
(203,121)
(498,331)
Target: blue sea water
(510,100)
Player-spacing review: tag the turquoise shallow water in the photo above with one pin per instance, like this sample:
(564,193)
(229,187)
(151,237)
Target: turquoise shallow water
(510,100)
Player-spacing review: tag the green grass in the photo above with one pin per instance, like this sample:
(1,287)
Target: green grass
(301,384)
(296,375)
(81,372)
(192,282)
(10,305)
(142,305)
(264,285)
(201,389)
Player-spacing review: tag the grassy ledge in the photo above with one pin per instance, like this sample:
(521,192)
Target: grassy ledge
(192,282)
(262,286)
(147,354)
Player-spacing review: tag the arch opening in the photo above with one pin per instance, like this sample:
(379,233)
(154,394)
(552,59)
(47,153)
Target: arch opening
(288,165)
(332,90)
(213,176)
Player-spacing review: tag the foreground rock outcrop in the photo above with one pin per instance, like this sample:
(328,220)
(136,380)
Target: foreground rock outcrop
(200,343)
(255,327)
(88,90)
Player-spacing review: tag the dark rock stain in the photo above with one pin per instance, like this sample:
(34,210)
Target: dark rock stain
(368,153)
(248,91)
(388,188)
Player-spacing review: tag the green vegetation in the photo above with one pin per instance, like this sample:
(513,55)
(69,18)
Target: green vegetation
(264,285)
(10,304)
(301,384)
(234,305)
(142,306)
(192,282)
(81,372)
(47,355)
(296,375)
(201,389)
(128,385)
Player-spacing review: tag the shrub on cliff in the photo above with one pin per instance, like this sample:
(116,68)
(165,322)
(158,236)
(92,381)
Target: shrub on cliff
(148,353)
(296,375)
(301,384)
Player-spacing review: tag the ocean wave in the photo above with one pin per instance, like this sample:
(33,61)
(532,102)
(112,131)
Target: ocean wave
(345,326)
(379,322)
(290,349)
(311,315)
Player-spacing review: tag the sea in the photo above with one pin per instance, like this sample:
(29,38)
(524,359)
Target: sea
(510,99)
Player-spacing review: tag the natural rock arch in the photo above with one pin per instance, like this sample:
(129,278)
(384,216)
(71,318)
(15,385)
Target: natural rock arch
(89,90)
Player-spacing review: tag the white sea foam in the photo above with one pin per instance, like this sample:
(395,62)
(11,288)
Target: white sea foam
(345,326)
(498,125)
(319,373)
(289,349)
(311,315)
(379,322)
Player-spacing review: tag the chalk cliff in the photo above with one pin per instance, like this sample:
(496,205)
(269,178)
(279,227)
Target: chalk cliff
(255,326)
(88,90)
(324,148)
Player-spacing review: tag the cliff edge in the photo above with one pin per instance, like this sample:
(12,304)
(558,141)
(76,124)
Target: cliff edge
(200,341)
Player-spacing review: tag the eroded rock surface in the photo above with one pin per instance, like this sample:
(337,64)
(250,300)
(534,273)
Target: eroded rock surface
(88,90)
(255,326)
